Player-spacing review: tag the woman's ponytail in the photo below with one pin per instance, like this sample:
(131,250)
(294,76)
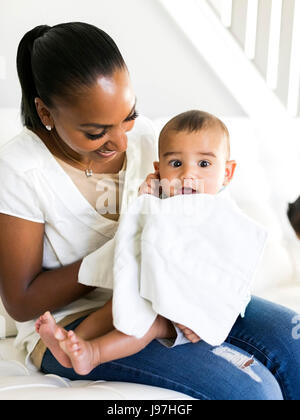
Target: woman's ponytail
(29,114)
(56,62)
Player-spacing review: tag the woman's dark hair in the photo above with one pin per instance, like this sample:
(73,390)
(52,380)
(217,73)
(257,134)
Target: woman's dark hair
(294,215)
(55,62)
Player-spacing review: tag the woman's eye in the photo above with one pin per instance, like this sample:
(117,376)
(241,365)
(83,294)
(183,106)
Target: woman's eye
(96,136)
(204,164)
(133,116)
(175,163)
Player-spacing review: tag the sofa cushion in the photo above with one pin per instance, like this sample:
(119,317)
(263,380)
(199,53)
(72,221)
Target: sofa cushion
(7,324)
(18,383)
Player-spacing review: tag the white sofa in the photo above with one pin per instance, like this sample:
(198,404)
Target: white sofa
(257,191)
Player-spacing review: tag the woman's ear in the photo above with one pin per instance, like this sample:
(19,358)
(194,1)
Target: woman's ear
(43,112)
(229,171)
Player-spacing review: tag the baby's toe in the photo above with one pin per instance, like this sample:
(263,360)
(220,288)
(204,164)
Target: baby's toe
(60,334)
(74,347)
(72,337)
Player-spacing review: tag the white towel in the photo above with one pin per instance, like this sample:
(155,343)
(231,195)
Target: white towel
(189,258)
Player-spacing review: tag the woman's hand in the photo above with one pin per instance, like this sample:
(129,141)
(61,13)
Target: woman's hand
(151,185)
(189,334)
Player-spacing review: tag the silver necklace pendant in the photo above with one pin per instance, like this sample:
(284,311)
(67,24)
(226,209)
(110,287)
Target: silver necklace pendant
(89,173)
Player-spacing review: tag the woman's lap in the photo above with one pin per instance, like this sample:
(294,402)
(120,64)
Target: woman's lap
(267,333)
(206,372)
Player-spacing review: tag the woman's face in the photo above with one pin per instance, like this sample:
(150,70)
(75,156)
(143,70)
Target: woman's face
(94,125)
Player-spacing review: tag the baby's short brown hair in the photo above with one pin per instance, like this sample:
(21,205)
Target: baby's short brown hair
(294,215)
(195,120)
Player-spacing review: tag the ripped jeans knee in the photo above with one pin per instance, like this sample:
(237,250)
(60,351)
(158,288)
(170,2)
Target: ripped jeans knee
(261,384)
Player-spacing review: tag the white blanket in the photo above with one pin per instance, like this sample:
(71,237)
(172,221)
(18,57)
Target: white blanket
(191,259)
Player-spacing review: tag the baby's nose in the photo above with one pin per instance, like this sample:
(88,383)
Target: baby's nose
(188,181)
(194,182)
(188,175)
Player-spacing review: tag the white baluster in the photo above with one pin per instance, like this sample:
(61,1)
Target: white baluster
(251,29)
(294,80)
(274,44)
(226,12)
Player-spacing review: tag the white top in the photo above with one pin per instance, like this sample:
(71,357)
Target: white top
(35,187)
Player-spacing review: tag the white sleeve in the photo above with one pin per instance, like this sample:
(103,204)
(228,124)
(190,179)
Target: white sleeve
(18,196)
(96,269)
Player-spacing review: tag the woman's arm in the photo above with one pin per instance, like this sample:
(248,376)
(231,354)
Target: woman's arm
(26,290)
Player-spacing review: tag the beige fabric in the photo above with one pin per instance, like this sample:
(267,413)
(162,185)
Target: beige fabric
(102,191)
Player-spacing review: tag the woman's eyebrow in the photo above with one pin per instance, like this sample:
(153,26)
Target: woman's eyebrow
(96,125)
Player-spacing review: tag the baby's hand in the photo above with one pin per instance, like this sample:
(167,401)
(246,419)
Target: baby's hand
(150,185)
(189,334)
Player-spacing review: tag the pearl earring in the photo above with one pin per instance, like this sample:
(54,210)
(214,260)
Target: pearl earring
(48,127)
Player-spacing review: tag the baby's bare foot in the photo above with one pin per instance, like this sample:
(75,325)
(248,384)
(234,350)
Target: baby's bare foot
(84,355)
(50,333)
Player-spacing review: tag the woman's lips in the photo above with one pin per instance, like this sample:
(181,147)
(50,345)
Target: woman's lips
(105,154)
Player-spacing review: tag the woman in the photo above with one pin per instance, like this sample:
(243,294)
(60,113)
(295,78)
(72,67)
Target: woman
(78,108)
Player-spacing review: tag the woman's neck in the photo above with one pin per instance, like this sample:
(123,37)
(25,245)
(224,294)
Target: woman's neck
(60,150)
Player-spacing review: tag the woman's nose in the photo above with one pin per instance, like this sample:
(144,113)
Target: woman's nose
(118,139)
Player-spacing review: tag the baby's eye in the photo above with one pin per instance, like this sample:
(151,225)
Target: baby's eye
(204,163)
(175,163)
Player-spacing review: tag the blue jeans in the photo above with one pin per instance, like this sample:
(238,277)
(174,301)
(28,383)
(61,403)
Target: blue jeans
(259,361)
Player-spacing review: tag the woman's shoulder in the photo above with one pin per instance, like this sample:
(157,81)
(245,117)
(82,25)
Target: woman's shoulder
(144,125)
(18,160)
(143,128)
(144,136)
(23,152)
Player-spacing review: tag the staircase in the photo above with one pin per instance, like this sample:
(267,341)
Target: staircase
(253,46)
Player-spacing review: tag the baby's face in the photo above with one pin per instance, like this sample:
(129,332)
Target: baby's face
(193,163)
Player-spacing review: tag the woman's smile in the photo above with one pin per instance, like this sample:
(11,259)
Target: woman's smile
(106,153)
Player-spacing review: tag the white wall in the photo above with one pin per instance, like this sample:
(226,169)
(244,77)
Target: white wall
(168,74)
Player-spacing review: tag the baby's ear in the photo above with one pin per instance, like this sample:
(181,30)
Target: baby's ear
(229,171)
(156,166)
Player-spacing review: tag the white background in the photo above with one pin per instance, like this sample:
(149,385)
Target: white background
(169,76)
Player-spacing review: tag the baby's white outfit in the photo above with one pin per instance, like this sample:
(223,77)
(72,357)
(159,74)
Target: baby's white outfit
(189,258)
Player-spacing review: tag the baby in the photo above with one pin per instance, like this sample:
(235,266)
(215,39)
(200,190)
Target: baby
(194,153)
